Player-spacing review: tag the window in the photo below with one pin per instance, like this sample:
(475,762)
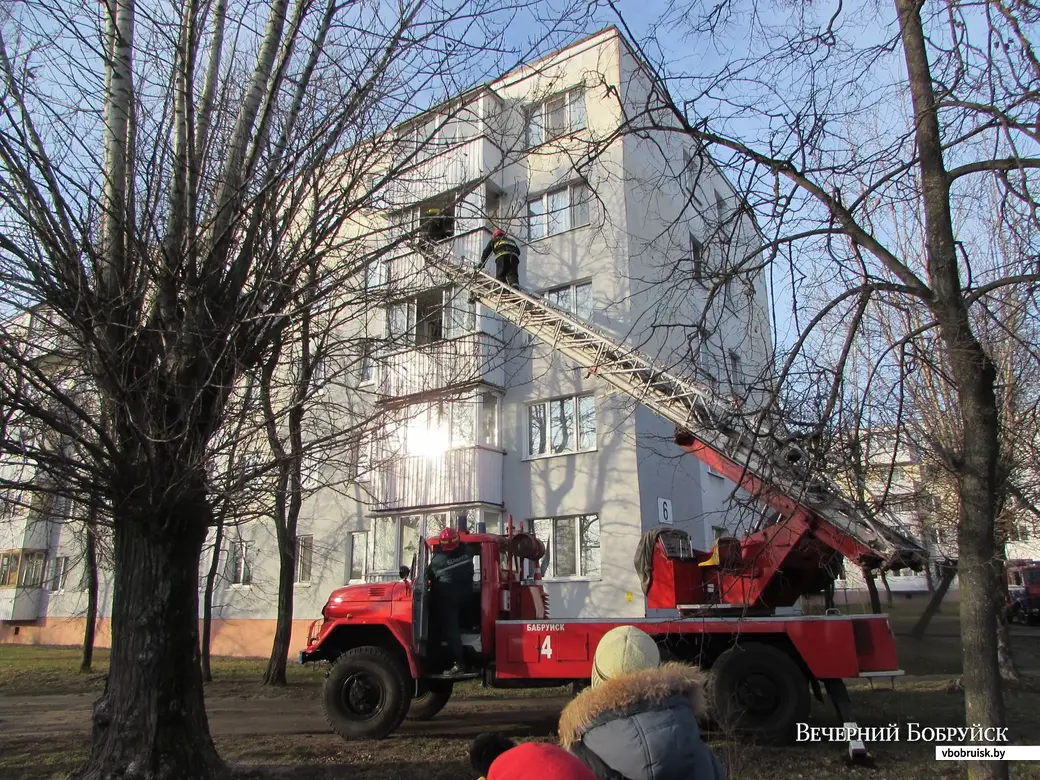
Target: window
(59,574)
(377,274)
(559,115)
(304,558)
(720,207)
(573,298)
(691,174)
(562,425)
(406,220)
(32,569)
(489,419)
(715,473)
(571,546)
(734,364)
(697,258)
(409,530)
(369,369)
(384,549)
(431,317)
(358,556)
(558,210)
(9,569)
(431,429)
(238,563)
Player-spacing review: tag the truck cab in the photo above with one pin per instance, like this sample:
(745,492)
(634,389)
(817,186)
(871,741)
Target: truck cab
(388,659)
(1023,591)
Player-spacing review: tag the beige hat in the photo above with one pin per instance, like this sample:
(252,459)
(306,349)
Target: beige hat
(622,650)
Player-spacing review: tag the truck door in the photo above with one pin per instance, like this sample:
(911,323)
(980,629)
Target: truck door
(420,600)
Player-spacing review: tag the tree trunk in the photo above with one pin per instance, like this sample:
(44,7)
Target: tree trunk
(888,590)
(948,573)
(1005,654)
(875,599)
(974,376)
(90,626)
(207,599)
(150,723)
(276,664)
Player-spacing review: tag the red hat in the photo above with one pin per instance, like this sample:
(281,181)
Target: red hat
(498,233)
(537,759)
(449,538)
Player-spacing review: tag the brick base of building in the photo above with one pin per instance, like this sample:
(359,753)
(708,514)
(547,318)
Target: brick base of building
(237,638)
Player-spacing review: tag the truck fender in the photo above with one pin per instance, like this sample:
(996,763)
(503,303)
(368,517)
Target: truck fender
(337,636)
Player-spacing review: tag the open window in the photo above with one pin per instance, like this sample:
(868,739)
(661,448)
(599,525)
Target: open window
(437,218)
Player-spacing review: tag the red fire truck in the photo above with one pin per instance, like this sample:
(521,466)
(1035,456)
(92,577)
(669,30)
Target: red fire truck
(718,609)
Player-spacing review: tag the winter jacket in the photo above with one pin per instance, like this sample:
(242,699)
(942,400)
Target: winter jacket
(642,726)
(453,570)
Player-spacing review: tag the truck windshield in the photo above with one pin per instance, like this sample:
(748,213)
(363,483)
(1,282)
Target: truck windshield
(1031,576)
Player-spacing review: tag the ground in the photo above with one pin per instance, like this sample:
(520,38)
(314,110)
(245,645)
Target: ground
(45,708)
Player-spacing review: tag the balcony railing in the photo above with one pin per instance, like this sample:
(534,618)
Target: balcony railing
(452,477)
(424,368)
(20,603)
(456,166)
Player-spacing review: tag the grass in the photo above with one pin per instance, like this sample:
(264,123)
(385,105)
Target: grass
(438,749)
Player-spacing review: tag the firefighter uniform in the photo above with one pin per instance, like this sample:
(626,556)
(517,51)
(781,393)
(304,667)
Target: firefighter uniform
(507,258)
(451,569)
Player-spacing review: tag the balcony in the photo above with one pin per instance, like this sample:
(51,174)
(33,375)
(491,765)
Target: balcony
(452,477)
(20,603)
(441,364)
(435,170)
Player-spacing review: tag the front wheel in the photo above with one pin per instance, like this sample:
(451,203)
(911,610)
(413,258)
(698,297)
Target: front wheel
(434,696)
(758,690)
(367,693)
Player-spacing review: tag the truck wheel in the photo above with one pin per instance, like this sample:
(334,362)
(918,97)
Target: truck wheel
(367,693)
(432,700)
(758,690)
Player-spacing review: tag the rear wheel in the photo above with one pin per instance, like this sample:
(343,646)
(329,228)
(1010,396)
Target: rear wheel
(367,693)
(758,690)
(432,697)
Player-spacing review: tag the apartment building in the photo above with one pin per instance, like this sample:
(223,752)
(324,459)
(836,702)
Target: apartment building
(631,233)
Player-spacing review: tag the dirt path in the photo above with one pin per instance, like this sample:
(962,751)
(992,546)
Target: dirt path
(25,716)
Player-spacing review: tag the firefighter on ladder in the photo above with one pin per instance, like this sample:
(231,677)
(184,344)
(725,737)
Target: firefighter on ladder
(507,258)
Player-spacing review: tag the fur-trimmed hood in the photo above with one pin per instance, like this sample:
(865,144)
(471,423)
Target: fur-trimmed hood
(635,690)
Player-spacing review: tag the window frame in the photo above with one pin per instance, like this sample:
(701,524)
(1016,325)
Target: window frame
(572,291)
(549,570)
(32,572)
(571,96)
(241,575)
(304,544)
(697,258)
(11,562)
(364,556)
(572,207)
(59,574)
(546,405)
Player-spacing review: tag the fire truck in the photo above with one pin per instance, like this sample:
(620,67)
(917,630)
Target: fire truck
(727,610)
(1023,591)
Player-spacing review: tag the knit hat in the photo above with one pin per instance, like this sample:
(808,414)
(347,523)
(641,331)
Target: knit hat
(622,650)
(539,760)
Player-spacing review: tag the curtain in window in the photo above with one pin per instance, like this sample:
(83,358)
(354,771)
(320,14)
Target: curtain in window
(583,301)
(384,543)
(566,548)
(543,531)
(535,127)
(556,116)
(580,197)
(557,221)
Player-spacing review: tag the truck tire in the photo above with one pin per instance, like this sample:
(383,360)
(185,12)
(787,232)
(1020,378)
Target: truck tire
(367,693)
(434,696)
(758,690)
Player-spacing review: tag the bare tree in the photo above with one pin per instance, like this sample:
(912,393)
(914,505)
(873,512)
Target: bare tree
(820,138)
(162,269)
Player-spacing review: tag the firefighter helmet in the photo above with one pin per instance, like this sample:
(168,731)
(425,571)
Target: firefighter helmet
(449,539)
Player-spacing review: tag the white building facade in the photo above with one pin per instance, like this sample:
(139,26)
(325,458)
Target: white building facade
(628,232)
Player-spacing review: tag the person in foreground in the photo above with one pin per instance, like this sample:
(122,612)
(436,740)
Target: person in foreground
(485,749)
(535,761)
(638,720)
